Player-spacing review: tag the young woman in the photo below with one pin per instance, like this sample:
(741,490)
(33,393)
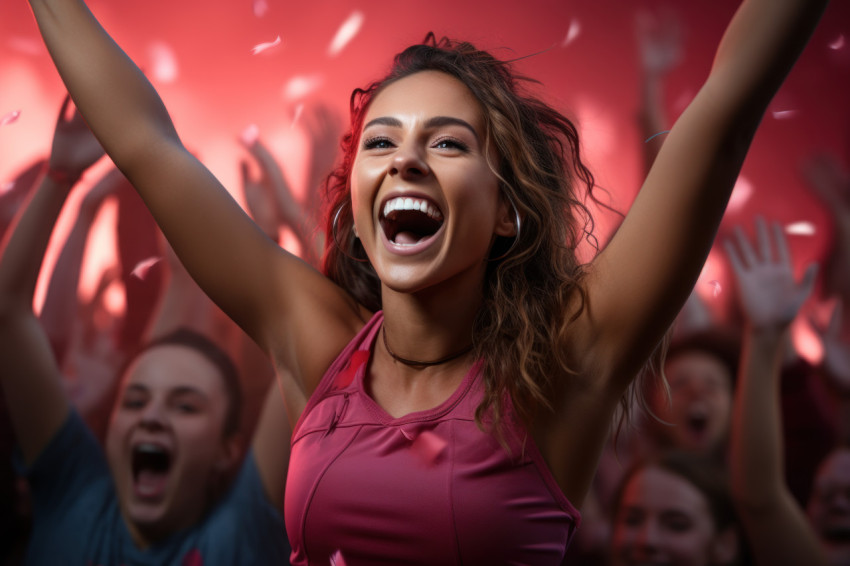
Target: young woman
(462,422)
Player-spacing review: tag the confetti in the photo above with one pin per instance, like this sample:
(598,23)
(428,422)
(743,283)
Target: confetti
(301,86)
(6,187)
(837,44)
(572,33)
(800,229)
(717,287)
(142,268)
(261,8)
(261,47)
(297,113)
(428,446)
(337,559)
(784,114)
(250,135)
(164,62)
(655,135)
(10,118)
(740,194)
(346,33)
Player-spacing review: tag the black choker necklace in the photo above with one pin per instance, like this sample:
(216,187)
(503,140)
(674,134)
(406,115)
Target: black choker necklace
(417,363)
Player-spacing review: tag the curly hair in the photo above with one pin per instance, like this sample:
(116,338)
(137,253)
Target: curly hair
(526,290)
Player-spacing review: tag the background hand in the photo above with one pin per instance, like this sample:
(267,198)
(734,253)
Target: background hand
(75,148)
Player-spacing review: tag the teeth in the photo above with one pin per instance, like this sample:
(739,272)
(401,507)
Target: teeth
(150,449)
(406,203)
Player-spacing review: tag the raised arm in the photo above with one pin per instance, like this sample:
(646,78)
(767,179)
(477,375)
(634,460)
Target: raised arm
(775,525)
(640,281)
(30,378)
(285,305)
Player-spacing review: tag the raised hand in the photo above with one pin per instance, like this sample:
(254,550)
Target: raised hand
(836,353)
(769,295)
(260,201)
(74,148)
(660,41)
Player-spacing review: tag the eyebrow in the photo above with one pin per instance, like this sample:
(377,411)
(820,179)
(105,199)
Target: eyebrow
(435,122)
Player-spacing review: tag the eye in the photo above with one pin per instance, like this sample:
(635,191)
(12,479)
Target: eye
(133,400)
(677,522)
(631,517)
(451,143)
(377,142)
(187,408)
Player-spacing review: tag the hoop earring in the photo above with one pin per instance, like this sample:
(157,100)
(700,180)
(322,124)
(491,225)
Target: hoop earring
(518,232)
(336,240)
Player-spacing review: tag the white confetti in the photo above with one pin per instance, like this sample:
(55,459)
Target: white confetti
(164,62)
(337,559)
(572,33)
(301,86)
(717,287)
(346,32)
(784,114)
(261,47)
(143,267)
(6,187)
(838,43)
(800,229)
(261,8)
(10,118)
(250,135)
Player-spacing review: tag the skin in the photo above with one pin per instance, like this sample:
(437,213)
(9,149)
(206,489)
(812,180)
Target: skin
(174,397)
(829,505)
(700,386)
(664,519)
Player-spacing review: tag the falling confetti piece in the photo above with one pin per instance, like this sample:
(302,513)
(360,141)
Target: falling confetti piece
(784,114)
(837,44)
(250,135)
(800,229)
(740,194)
(346,33)
(572,33)
(261,8)
(717,287)
(261,47)
(301,86)
(428,446)
(337,559)
(164,62)
(297,113)
(6,187)
(142,268)
(10,118)
(656,135)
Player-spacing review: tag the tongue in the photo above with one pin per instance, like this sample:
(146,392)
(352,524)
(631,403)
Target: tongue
(406,238)
(150,484)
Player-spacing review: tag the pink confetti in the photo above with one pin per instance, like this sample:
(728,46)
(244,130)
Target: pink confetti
(717,287)
(740,194)
(261,47)
(800,229)
(572,33)
(261,8)
(6,187)
(10,118)
(784,114)
(346,32)
(163,62)
(250,135)
(428,446)
(143,267)
(838,43)
(337,559)
(301,86)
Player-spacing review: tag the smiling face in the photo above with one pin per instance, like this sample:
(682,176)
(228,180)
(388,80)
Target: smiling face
(829,505)
(700,404)
(663,519)
(165,443)
(426,203)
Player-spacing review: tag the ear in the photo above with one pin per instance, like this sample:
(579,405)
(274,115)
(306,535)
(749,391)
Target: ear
(230,453)
(507,219)
(725,547)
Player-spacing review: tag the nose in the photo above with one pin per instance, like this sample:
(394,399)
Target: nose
(409,163)
(648,537)
(153,416)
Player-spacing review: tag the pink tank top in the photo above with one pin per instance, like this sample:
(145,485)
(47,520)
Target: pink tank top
(428,488)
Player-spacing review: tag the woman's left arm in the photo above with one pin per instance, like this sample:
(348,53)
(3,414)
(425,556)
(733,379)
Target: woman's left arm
(643,277)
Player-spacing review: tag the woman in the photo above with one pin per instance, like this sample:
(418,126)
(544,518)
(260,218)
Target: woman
(485,310)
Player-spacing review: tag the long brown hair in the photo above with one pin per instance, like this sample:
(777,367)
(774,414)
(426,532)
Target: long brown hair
(528,291)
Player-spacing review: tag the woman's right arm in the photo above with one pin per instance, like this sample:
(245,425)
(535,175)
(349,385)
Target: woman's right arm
(287,307)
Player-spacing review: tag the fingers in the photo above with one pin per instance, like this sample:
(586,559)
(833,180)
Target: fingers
(63,110)
(834,328)
(808,283)
(783,255)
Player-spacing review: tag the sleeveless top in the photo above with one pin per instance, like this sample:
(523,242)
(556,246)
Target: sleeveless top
(430,487)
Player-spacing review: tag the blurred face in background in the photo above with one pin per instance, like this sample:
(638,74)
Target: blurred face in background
(664,519)
(829,505)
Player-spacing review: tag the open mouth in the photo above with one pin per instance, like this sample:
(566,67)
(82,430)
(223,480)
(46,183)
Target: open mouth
(408,221)
(837,534)
(151,463)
